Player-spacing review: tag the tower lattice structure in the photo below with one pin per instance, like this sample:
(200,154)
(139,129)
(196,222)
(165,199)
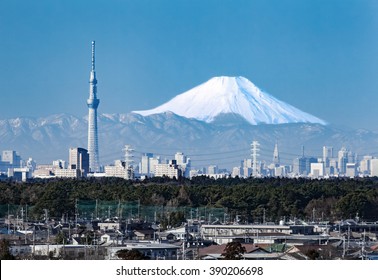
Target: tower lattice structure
(93,102)
(129,169)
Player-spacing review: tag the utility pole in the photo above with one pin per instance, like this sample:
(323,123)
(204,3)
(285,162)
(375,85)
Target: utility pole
(344,247)
(96,209)
(118,208)
(46,215)
(76,213)
(22,214)
(264,216)
(8,220)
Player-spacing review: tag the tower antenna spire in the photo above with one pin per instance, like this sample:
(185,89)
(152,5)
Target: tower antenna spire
(93,55)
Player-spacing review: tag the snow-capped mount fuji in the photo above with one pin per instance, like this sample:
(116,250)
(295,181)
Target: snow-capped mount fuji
(232,95)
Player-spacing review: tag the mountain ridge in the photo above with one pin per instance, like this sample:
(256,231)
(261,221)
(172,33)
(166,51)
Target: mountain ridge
(219,142)
(235,95)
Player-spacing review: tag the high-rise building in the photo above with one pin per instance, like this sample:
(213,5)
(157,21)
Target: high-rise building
(93,102)
(317,169)
(342,160)
(184,163)
(12,158)
(212,169)
(79,160)
(9,159)
(374,167)
(351,170)
(153,162)
(145,163)
(365,165)
(276,156)
(302,165)
(237,171)
(327,155)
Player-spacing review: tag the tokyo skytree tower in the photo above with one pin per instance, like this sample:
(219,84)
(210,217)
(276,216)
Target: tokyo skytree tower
(92,102)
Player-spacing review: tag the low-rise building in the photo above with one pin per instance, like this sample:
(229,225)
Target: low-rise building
(170,170)
(116,170)
(153,251)
(67,173)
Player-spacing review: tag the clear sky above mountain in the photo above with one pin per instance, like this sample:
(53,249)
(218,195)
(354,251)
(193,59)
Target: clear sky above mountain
(319,56)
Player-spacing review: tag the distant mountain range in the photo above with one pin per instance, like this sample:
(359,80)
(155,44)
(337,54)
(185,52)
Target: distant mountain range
(213,123)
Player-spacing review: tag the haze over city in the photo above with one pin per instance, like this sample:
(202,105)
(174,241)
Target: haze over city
(320,57)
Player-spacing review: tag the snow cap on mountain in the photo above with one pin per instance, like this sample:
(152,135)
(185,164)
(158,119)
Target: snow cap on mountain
(232,95)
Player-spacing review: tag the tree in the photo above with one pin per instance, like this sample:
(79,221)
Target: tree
(313,254)
(4,250)
(233,251)
(132,254)
(60,237)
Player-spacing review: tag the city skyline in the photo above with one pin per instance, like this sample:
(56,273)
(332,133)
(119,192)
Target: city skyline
(345,163)
(319,57)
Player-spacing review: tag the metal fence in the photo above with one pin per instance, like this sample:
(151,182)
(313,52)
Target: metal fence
(92,209)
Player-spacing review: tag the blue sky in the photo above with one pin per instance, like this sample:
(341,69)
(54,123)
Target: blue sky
(320,56)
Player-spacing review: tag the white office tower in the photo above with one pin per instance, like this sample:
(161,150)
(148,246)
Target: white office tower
(247,167)
(374,167)
(317,170)
(79,160)
(365,165)
(327,155)
(145,163)
(237,171)
(152,163)
(12,158)
(276,156)
(92,102)
(212,169)
(351,170)
(254,149)
(148,163)
(342,160)
(184,163)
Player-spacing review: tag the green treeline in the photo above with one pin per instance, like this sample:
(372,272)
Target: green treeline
(251,199)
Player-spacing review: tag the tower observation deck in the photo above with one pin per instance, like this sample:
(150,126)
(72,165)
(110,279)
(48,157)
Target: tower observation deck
(93,102)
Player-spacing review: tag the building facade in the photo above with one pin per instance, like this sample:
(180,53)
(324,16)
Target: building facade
(79,159)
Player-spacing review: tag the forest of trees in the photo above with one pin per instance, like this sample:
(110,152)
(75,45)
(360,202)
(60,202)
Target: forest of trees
(277,197)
